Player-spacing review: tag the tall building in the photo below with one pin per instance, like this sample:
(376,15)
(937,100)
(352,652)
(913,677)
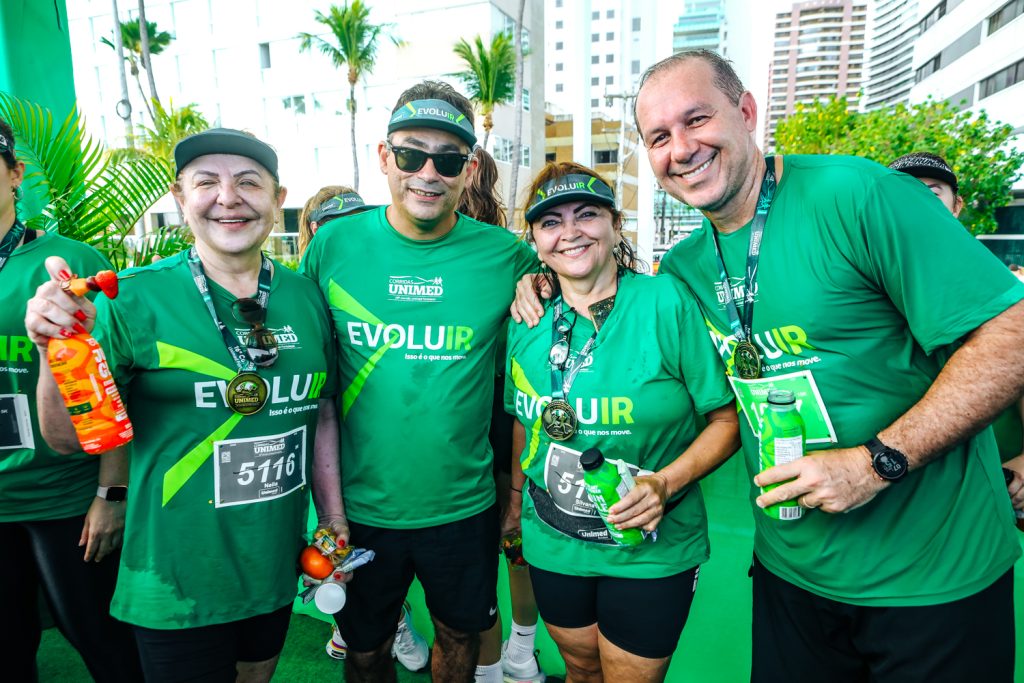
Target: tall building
(244,69)
(971,54)
(892,27)
(819,53)
(701,26)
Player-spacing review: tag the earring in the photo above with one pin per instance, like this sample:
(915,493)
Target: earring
(18,193)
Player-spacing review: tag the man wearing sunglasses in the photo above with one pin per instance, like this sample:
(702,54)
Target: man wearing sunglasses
(418,294)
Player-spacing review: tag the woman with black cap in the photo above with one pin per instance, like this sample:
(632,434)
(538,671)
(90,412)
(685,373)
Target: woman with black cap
(620,362)
(226,363)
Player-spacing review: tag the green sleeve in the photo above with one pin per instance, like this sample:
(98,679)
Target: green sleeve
(526,260)
(310,261)
(330,343)
(510,387)
(700,365)
(114,336)
(942,279)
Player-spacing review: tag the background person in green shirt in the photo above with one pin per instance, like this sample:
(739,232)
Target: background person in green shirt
(58,531)
(419,295)
(219,494)
(629,355)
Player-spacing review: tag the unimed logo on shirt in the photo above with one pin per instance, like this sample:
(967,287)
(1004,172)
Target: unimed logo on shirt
(415,288)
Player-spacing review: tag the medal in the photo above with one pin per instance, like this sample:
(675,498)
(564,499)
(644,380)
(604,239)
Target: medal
(247,393)
(747,360)
(559,420)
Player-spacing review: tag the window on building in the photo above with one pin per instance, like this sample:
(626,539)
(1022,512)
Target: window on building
(559,87)
(609,80)
(636,23)
(595,103)
(1004,15)
(595,80)
(264,55)
(610,35)
(1002,79)
(610,14)
(606,156)
(595,59)
(502,149)
(524,156)
(550,157)
(558,66)
(634,66)
(296,103)
(559,45)
(558,3)
(937,13)
(594,37)
(608,59)
(928,68)
(559,24)
(595,15)
(526,99)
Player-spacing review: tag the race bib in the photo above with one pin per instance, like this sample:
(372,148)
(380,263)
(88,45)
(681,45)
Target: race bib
(259,469)
(15,422)
(753,397)
(565,506)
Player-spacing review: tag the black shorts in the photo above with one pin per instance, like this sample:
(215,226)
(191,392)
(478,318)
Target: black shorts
(500,434)
(456,563)
(207,654)
(801,637)
(642,616)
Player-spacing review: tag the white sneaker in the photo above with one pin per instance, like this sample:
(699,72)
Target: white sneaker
(336,646)
(521,672)
(410,648)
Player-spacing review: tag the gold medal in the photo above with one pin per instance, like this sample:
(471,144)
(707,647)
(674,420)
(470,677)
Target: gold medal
(247,393)
(747,360)
(559,420)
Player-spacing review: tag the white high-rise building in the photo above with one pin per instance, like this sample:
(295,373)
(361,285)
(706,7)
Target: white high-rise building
(972,54)
(892,28)
(241,64)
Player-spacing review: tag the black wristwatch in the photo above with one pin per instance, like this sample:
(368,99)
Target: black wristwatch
(113,494)
(888,463)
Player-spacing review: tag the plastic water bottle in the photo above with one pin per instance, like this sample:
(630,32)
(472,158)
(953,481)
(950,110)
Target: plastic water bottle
(90,393)
(782,441)
(606,487)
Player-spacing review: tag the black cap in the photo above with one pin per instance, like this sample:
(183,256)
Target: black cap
(225,141)
(926,165)
(568,188)
(339,205)
(591,459)
(436,114)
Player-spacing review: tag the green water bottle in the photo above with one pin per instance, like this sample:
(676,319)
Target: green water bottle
(606,488)
(782,441)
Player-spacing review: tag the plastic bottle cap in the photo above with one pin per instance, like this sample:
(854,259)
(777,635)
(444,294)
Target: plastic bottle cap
(591,459)
(781,396)
(330,597)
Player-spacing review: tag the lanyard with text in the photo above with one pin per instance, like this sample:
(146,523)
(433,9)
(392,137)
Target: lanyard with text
(558,418)
(247,391)
(10,241)
(746,358)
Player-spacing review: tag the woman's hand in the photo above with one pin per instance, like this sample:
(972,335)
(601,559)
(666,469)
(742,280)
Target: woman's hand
(53,312)
(642,507)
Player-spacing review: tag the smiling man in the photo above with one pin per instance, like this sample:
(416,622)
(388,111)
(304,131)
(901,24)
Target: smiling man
(817,274)
(418,294)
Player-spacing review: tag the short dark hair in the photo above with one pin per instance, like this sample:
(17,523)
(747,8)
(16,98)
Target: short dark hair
(726,79)
(8,152)
(437,90)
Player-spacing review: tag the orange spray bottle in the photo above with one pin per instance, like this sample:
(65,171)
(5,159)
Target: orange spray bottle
(85,381)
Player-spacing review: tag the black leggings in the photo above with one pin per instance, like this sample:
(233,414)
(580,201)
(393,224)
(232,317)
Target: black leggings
(46,554)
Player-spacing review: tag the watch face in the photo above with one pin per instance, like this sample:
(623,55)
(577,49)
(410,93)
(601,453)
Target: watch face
(117,493)
(890,464)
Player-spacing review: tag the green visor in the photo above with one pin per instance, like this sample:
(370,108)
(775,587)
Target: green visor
(569,188)
(436,114)
(336,206)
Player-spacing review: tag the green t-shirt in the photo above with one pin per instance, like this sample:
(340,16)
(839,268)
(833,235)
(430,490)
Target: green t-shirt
(218,502)
(639,397)
(864,282)
(35,482)
(417,325)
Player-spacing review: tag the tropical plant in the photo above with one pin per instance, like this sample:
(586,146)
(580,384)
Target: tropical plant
(517,140)
(489,75)
(90,195)
(171,125)
(131,37)
(354,49)
(977,149)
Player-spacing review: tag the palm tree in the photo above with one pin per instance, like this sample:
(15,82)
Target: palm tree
(489,75)
(91,196)
(146,51)
(170,125)
(354,49)
(517,141)
(131,37)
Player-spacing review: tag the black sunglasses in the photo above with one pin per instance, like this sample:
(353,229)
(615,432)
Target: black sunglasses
(411,160)
(558,356)
(260,342)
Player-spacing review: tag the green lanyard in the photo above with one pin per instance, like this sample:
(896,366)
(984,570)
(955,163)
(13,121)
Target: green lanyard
(10,242)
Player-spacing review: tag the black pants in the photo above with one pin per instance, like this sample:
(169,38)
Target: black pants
(800,637)
(46,554)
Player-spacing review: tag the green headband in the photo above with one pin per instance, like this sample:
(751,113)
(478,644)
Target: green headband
(436,114)
(342,204)
(569,188)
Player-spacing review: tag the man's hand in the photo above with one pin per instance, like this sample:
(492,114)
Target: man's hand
(52,312)
(512,522)
(837,480)
(527,307)
(642,507)
(103,529)
(1016,487)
